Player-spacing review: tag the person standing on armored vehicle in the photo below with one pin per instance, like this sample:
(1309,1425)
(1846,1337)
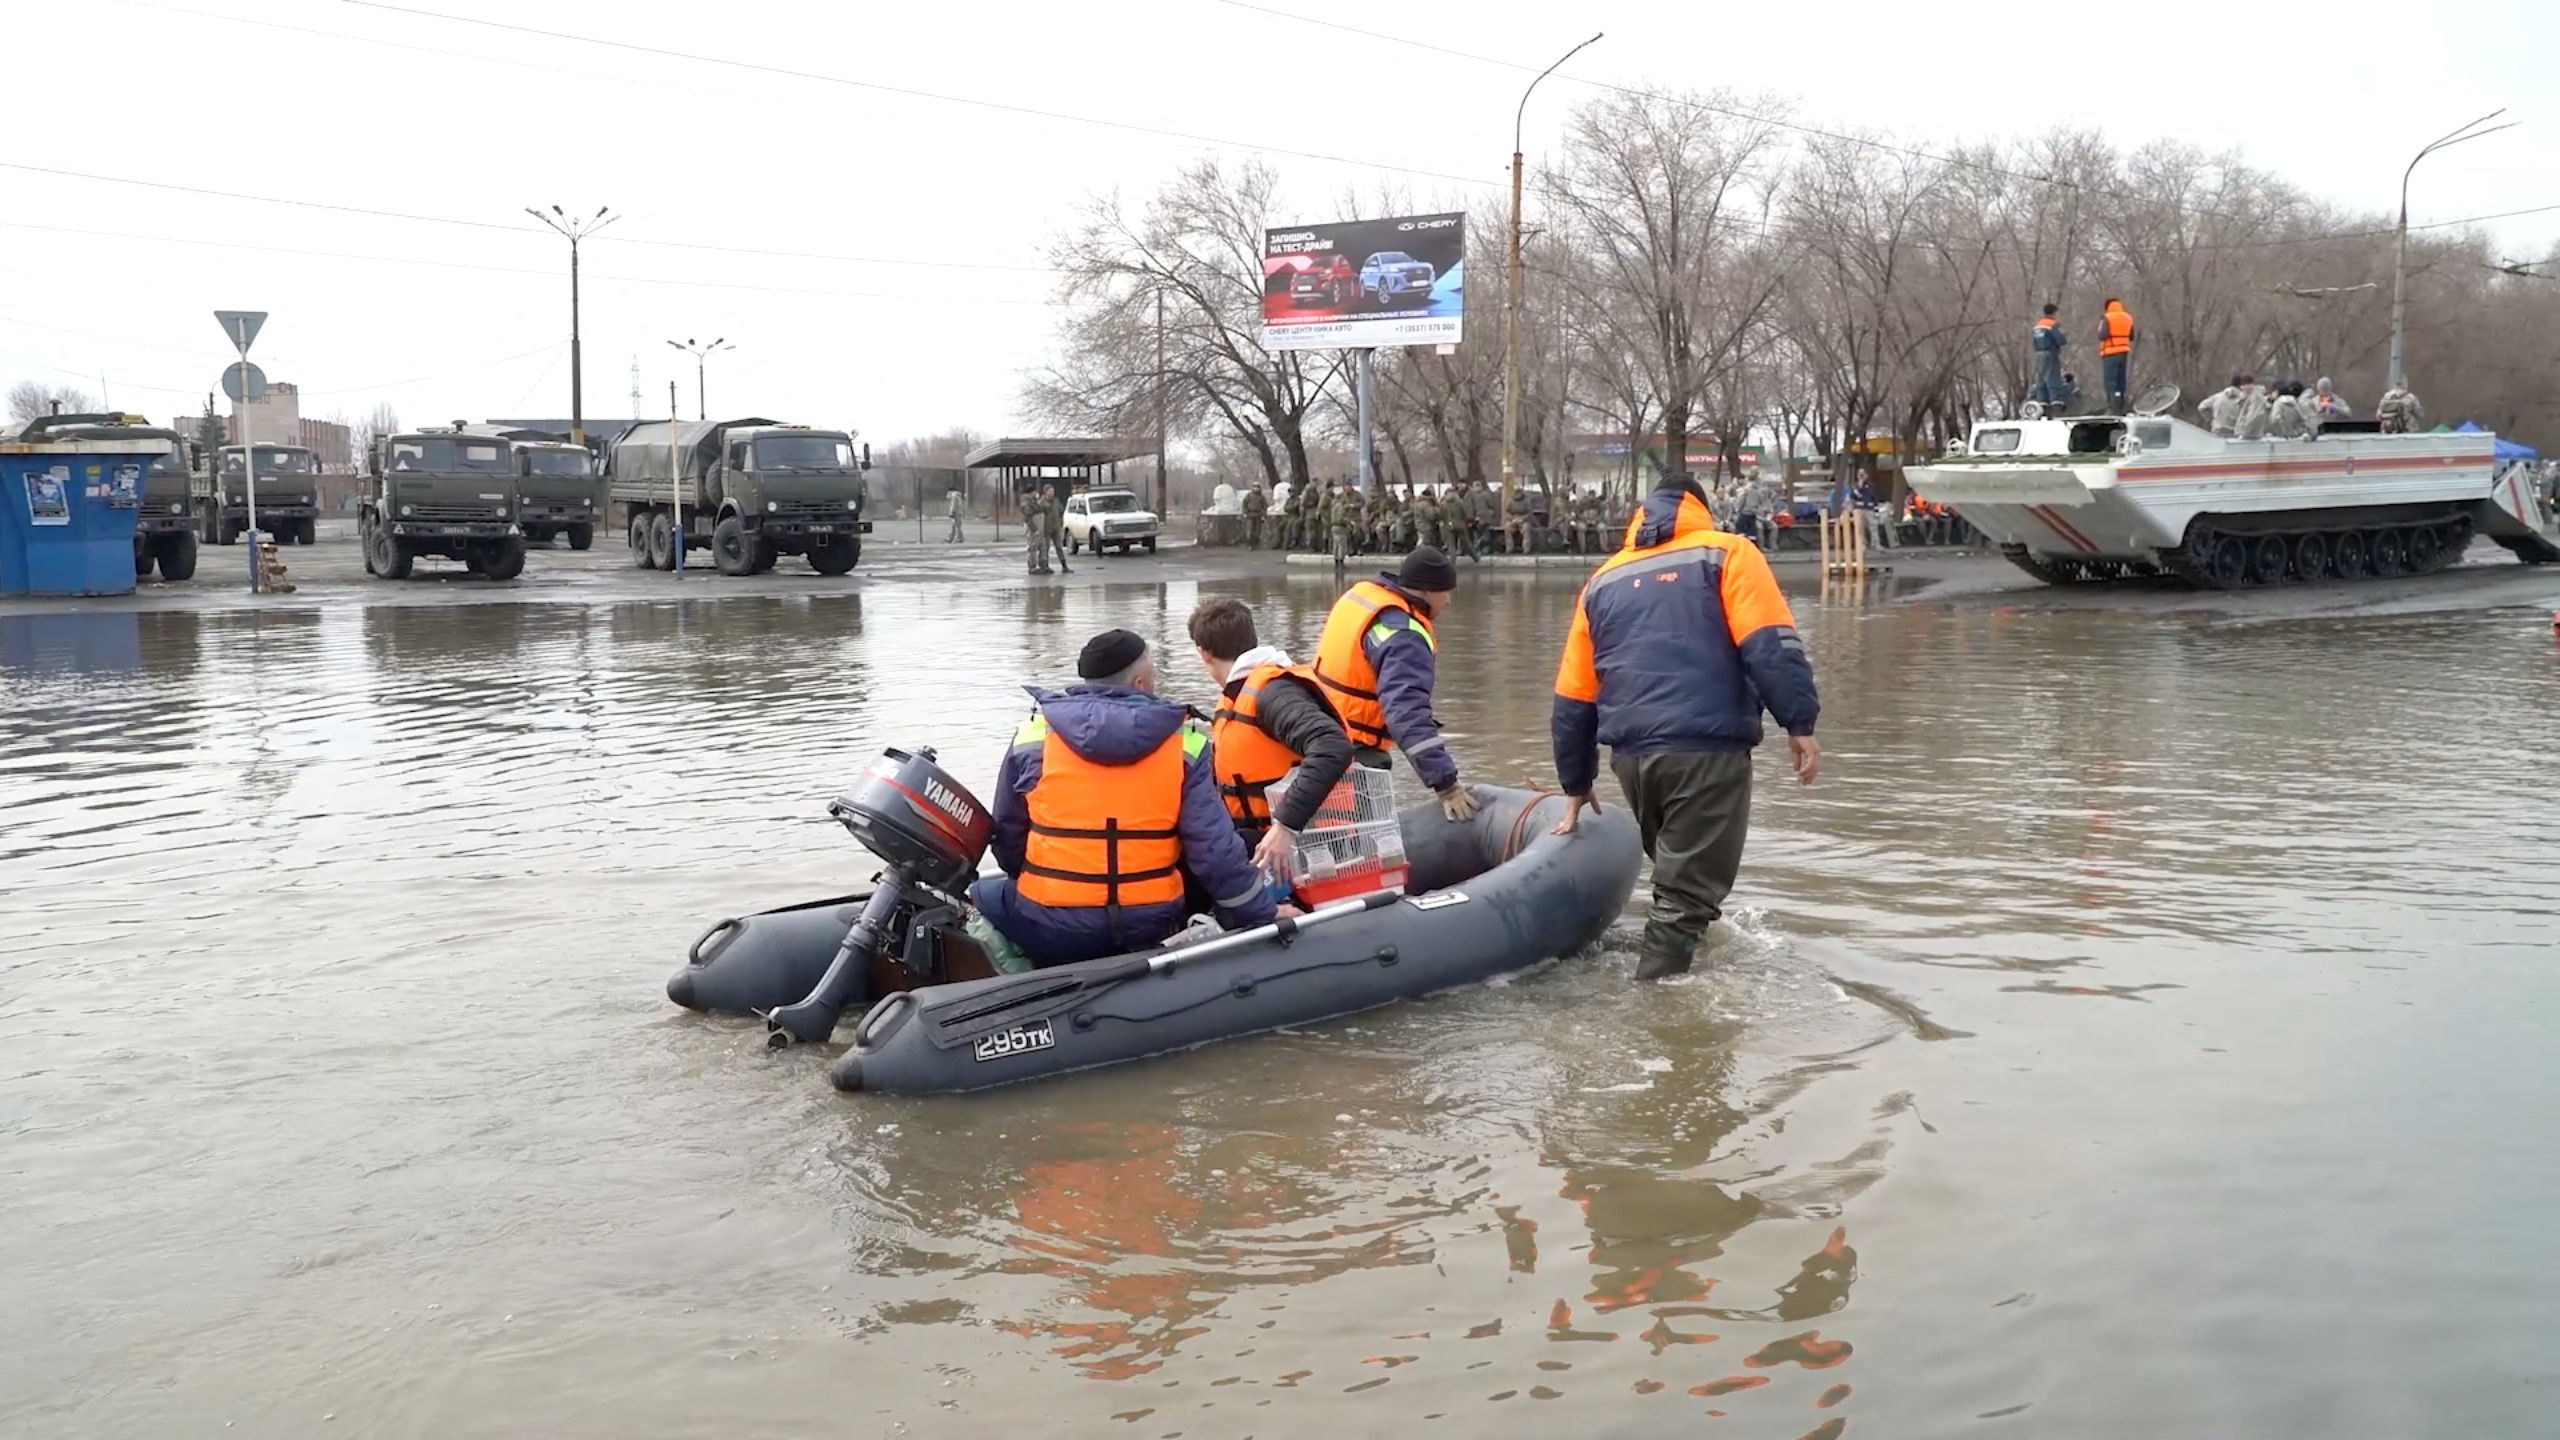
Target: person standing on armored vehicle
(2399,411)
(2046,340)
(2115,352)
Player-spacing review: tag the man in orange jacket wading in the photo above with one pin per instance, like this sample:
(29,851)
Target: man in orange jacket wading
(1678,642)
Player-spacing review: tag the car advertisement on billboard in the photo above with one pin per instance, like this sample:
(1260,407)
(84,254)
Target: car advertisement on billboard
(1361,283)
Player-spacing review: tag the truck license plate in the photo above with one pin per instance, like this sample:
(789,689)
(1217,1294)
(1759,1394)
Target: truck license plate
(822,529)
(1020,1040)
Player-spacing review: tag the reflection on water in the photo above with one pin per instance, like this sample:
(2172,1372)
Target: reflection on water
(334,1079)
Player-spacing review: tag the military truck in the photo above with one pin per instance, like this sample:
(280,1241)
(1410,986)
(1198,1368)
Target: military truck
(288,494)
(559,486)
(440,492)
(750,491)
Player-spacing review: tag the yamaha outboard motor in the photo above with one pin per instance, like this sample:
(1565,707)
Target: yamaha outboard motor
(932,832)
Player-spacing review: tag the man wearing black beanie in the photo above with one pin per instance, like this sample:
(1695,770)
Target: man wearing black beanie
(1104,799)
(1377,662)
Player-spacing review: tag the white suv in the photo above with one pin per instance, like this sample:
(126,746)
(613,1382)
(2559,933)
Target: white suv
(1098,518)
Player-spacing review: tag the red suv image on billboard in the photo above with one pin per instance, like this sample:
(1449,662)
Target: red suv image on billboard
(1327,280)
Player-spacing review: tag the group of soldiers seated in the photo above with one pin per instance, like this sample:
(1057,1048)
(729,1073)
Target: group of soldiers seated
(1466,519)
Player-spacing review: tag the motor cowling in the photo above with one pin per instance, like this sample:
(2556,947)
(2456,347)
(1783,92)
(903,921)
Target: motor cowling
(908,811)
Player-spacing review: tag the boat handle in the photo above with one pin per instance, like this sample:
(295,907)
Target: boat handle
(725,930)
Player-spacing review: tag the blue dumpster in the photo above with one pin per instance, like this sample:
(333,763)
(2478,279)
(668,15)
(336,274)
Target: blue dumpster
(67,509)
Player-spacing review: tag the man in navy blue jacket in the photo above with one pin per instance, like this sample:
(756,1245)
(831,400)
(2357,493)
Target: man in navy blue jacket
(1105,798)
(2047,341)
(1678,642)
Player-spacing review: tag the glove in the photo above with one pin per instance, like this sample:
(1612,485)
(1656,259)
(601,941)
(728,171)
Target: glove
(1458,803)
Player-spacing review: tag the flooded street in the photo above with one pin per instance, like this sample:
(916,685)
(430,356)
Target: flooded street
(2144,1028)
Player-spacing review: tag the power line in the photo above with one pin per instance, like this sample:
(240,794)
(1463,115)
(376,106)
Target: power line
(513,269)
(1689,101)
(1777,122)
(908,92)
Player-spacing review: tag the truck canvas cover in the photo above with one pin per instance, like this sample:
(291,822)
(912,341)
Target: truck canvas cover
(639,455)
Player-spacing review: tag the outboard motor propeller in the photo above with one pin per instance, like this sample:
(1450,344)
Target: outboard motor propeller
(931,831)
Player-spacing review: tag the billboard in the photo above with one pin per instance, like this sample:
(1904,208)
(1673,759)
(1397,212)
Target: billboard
(1359,283)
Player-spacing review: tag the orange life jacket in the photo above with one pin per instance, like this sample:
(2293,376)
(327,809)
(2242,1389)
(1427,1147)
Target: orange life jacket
(2118,339)
(1249,759)
(1104,836)
(1343,671)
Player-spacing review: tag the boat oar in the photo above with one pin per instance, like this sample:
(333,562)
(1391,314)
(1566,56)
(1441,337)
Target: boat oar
(997,1006)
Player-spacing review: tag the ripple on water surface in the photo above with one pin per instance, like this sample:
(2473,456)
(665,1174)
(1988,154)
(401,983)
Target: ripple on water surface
(334,1077)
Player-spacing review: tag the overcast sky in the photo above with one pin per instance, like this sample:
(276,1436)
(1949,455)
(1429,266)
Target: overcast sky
(931,301)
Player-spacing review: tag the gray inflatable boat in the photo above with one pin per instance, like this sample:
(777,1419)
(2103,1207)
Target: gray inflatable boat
(1493,894)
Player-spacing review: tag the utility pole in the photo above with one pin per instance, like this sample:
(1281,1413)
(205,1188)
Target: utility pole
(2400,250)
(1514,277)
(1160,484)
(700,354)
(574,230)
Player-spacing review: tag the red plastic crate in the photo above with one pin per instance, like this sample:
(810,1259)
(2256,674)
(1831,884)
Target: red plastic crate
(1344,884)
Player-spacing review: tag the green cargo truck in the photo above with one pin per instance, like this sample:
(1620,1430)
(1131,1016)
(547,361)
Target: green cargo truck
(750,491)
(440,492)
(288,494)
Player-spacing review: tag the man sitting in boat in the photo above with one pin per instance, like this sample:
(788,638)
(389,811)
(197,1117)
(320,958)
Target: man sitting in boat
(1271,716)
(1103,801)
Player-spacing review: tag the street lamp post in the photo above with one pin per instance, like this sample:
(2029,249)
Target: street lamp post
(701,355)
(574,229)
(1511,298)
(2400,252)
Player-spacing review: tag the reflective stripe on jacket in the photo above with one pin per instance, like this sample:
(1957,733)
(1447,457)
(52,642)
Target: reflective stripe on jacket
(1678,641)
(1104,835)
(1343,668)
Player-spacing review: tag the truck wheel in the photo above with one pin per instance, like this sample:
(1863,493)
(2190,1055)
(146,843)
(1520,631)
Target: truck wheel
(766,554)
(504,560)
(178,556)
(229,533)
(662,542)
(731,552)
(639,538)
(141,562)
(582,537)
(837,557)
(310,528)
(387,556)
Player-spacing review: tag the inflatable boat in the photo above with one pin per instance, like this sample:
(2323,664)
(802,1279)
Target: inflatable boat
(1483,897)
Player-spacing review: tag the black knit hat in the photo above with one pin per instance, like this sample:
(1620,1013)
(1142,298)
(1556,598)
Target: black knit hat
(1427,569)
(1109,653)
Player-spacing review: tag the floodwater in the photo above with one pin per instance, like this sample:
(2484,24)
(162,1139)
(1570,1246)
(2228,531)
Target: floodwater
(2143,1029)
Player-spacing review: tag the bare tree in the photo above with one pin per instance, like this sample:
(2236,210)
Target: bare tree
(943,450)
(362,433)
(1665,197)
(35,399)
(1196,252)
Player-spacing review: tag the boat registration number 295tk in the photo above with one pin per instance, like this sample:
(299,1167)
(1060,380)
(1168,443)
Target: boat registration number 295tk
(1019,1040)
